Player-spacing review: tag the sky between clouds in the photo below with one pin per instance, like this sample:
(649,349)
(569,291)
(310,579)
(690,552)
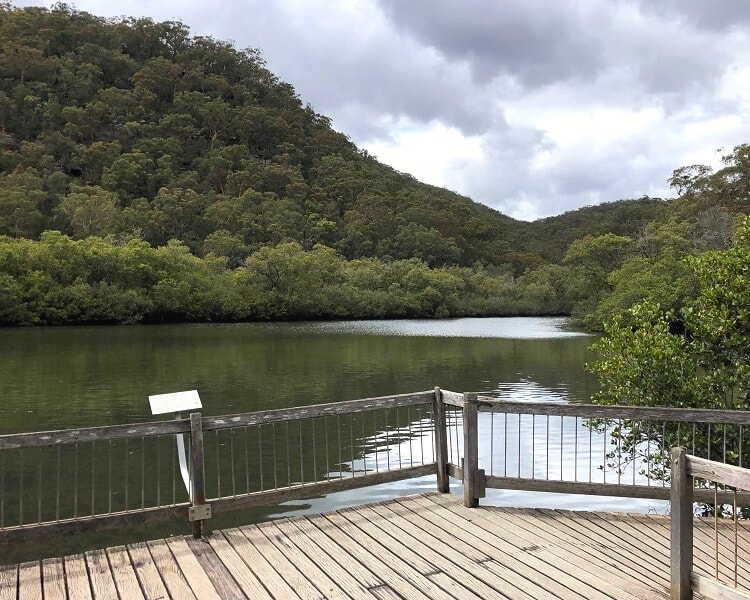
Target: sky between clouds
(532,107)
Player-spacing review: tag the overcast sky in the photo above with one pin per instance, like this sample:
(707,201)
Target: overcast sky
(531,107)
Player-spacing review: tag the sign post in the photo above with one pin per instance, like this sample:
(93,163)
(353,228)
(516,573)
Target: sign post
(192,472)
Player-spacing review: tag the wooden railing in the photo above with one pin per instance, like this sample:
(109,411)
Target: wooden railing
(97,476)
(724,582)
(106,476)
(583,449)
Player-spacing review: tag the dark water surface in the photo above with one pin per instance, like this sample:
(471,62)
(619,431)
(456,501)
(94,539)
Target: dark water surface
(53,378)
(63,377)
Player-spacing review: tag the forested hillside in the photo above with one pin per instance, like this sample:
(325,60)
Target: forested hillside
(147,175)
(134,128)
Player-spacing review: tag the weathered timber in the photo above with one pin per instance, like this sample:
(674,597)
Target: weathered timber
(736,477)
(197,478)
(452,398)
(619,490)
(710,588)
(124,574)
(92,434)
(104,521)
(634,413)
(471,451)
(316,410)
(576,487)
(427,547)
(136,430)
(682,528)
(441,443)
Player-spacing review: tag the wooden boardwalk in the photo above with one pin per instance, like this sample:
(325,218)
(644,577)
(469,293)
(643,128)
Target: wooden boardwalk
(421,547)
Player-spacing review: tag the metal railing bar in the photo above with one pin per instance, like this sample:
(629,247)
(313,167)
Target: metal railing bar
(634,413)
(306,490)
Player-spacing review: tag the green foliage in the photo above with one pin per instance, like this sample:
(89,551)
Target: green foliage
(697,355)
(58,280)
(160,119)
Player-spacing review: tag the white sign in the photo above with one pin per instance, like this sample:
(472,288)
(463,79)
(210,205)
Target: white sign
(174,402)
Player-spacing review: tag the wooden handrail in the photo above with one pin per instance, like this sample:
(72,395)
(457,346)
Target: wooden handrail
(138,430)
(596,411)
(200,508)
(684,468)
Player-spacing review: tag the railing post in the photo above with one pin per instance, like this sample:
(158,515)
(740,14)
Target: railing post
(199,510)
(681,552)
(441,443)
(473,477)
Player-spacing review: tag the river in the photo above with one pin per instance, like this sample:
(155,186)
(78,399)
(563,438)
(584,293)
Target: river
(52,378)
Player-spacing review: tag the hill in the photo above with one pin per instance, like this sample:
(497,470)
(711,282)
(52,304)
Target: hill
(150,175)
(135,128)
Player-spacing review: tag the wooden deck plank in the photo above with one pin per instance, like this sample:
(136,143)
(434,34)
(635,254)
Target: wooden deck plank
(102,582)
(563,536)
(8,582)
(406,546)
(281,563)
(602,547)
(53,579)
(624,547)
(317,575)
(335,556)
(333,567)
(242,574)
(540,584)
(77,579)
(124,574)
(453,553)
(170,572)
(216,571)
(657,527)
(385,593)
(705,558)
(608,578)
(702,551)
(574,576)
(427,547)
(263,569)
(400,575)
(30,581)
(531,555)
(192,570)
(394,530)
(146,571)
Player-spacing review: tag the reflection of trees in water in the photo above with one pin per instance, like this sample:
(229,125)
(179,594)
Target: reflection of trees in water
(268,456)
(95,376)
(648,443)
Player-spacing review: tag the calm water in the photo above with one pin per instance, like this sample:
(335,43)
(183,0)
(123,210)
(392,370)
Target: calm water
(66,377)
(54,378)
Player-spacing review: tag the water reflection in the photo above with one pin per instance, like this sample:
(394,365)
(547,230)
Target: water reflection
(510,445)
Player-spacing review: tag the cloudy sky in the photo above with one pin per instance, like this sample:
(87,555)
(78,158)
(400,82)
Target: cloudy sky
(533,107)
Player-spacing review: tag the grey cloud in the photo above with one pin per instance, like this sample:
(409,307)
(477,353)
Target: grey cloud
(339,69)
(715,15)
(525,39)
(510,179)
(563,42)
